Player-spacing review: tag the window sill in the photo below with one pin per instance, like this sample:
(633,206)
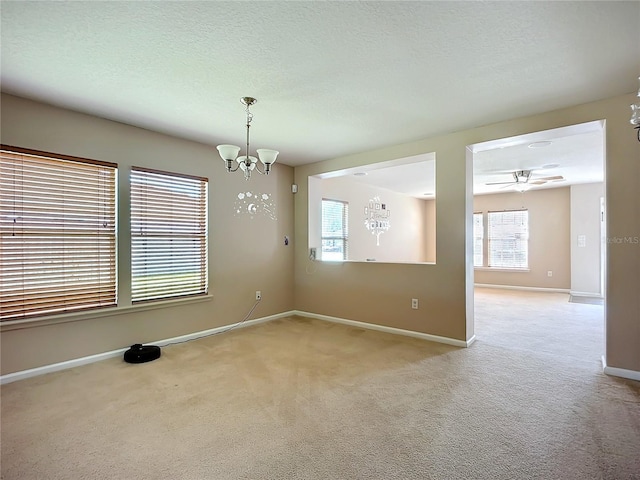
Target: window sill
(388,262)
(497,269)
(98,313)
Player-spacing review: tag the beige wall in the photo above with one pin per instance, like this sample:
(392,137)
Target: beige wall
(586,223)
(245,253)
(371,292)
(381,293)
(549,245)
(406,240)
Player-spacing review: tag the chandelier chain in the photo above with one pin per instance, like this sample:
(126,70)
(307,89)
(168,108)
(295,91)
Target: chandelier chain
(249,118)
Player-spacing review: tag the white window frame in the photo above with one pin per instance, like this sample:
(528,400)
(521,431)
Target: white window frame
(335,236)
(508,239)
(169,236)
(57,234)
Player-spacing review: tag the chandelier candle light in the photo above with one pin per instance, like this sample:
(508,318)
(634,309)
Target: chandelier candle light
(246,162)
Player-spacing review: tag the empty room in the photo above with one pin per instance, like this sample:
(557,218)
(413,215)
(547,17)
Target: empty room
(245,240)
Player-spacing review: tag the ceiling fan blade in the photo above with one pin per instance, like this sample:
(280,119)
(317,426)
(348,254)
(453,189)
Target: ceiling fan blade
(500,183)
(551,179)
(538,182)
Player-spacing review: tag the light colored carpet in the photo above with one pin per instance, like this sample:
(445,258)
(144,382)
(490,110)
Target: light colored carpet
(305,399)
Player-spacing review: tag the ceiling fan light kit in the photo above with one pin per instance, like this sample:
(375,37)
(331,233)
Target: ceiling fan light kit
(635,112)
(247,163)
(522,176)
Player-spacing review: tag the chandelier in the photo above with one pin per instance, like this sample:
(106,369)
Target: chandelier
(635,113)
(246,162)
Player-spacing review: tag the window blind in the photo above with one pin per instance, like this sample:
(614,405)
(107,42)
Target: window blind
(334,229)
(509,239)
(478,237)
(168,235)
(57,233)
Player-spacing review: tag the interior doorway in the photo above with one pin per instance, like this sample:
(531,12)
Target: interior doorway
(539,222)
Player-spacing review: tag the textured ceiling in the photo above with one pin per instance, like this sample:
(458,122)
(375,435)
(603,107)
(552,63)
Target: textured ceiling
(331,78)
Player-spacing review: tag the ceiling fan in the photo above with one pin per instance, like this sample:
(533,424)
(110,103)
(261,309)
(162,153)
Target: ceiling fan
(525,177)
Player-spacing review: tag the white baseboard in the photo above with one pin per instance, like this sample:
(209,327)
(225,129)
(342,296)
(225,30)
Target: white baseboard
(517,287)
(585,294)
(56,367)
(395,331)
(620,372)
(213,331)
(76,362)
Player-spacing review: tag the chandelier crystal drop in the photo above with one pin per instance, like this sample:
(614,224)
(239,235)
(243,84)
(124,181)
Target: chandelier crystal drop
(247,163)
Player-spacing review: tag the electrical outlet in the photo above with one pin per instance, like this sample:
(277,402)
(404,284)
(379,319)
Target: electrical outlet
(414,303)
(258,295)
(549,273)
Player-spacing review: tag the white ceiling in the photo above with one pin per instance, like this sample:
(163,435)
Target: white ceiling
(414,176)
(575,153)
(331,78)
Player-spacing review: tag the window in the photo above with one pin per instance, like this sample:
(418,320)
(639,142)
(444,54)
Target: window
(168,235)
(334,229)
(57,234)
(478,238)
(509,239)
